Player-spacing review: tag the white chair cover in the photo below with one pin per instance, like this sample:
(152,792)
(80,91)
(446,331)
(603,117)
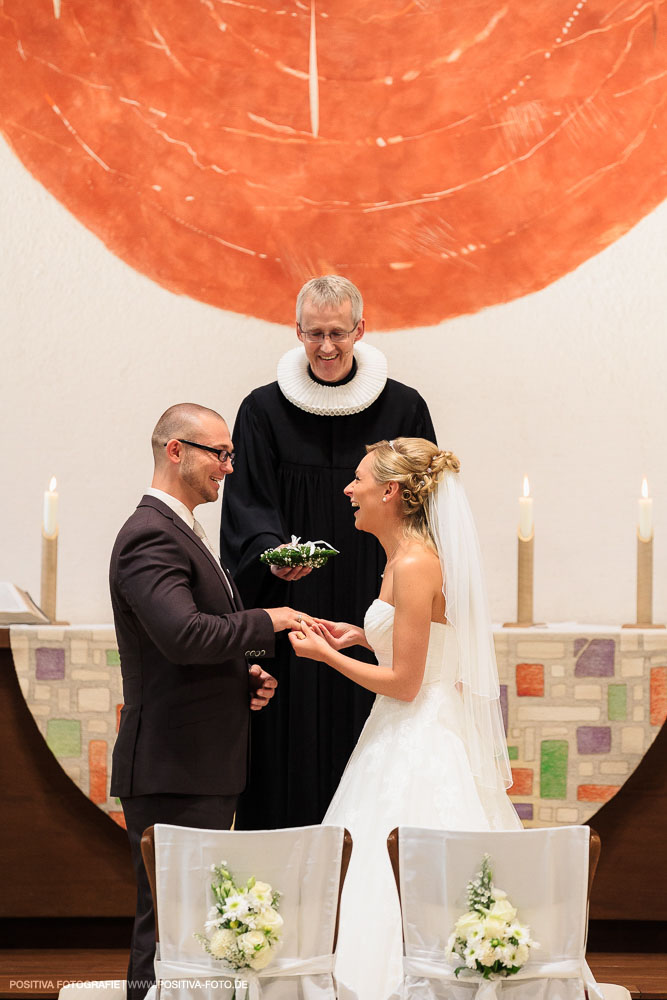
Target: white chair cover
(302,863)
(544,873)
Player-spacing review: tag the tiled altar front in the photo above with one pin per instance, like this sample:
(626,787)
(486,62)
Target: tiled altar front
(582,705)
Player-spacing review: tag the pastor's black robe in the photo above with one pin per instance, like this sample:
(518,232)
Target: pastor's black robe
(289,476)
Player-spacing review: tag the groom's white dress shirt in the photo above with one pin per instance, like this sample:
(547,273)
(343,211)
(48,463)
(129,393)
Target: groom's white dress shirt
(186,515)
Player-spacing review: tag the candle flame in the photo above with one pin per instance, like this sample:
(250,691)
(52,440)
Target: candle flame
(52,485)
(644,488)
(526,487)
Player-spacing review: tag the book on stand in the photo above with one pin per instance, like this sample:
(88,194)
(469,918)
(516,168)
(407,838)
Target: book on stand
(18,608)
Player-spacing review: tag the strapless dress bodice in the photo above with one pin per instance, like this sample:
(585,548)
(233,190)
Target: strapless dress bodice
(442,655)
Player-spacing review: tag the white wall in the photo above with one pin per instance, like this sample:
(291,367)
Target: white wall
(568,385)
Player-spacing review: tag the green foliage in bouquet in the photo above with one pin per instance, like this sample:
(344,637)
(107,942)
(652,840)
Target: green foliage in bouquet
(298,553)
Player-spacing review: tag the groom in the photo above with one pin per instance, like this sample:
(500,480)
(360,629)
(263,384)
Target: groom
(186,649)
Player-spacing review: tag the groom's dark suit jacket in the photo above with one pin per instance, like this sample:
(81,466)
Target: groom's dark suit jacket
(185,645)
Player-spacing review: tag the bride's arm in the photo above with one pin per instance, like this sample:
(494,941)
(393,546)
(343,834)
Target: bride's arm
(414,582)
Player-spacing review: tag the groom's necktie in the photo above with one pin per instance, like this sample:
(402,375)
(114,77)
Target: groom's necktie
(200,533)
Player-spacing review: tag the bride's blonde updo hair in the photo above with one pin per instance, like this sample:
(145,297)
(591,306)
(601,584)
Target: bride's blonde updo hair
(416,465)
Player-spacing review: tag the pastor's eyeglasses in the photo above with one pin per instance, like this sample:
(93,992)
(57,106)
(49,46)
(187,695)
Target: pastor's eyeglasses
(221,454)
(318,336)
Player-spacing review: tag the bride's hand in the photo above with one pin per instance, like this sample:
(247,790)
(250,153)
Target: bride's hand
(309,642)
(340,635)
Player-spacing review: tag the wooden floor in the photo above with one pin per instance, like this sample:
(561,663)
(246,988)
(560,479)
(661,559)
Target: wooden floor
(644,975)
(40,974)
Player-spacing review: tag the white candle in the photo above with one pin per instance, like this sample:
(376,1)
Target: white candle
(645,514)
(525,511)
(50,525)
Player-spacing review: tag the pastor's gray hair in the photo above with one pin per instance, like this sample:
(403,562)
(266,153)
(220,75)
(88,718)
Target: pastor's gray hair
(331,290)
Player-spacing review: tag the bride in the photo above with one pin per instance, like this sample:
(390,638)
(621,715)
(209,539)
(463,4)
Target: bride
(433,750)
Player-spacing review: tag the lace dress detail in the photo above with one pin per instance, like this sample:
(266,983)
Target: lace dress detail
(410,767)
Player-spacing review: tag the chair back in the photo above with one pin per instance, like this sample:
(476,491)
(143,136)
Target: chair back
(594,848)
(307,865)
(545,873)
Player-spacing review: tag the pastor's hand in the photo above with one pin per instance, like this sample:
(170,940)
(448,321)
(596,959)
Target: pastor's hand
(262,687)
(291,572)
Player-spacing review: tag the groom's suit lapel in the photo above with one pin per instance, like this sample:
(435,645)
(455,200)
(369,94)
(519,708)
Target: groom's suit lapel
(178,522)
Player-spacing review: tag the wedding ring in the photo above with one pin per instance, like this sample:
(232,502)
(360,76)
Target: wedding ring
(298,618)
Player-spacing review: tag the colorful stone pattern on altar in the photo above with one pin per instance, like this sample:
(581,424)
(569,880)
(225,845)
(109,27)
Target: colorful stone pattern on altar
(70,678)
(581,709)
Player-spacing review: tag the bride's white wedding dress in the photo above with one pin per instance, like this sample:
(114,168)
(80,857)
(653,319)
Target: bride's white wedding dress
(410,767)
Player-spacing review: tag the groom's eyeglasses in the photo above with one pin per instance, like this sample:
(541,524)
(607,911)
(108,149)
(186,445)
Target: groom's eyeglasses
(318,337)
(221,454)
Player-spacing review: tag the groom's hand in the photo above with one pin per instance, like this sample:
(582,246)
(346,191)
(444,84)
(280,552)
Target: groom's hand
(262,687)
(283,618)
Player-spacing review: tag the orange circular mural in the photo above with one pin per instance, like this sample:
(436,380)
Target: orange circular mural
(445,157)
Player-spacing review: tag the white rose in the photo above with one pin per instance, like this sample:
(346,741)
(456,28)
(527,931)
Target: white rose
(522,953)
(262,958)
(498,893)
(222,943)
(270,920)
(468,922)
(504,909)
(494,927)
(250,942)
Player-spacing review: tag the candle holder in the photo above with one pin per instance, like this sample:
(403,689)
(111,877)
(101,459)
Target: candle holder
(524,584)
(644,584)
(49,577)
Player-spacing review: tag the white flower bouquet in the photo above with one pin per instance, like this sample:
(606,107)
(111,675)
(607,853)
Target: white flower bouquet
(298,553)
(489,939)
(243,926)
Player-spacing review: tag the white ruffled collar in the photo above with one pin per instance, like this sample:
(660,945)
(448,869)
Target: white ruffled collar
(333,400)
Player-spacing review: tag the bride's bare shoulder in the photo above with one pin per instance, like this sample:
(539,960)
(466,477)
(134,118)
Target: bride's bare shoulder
(416,558)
